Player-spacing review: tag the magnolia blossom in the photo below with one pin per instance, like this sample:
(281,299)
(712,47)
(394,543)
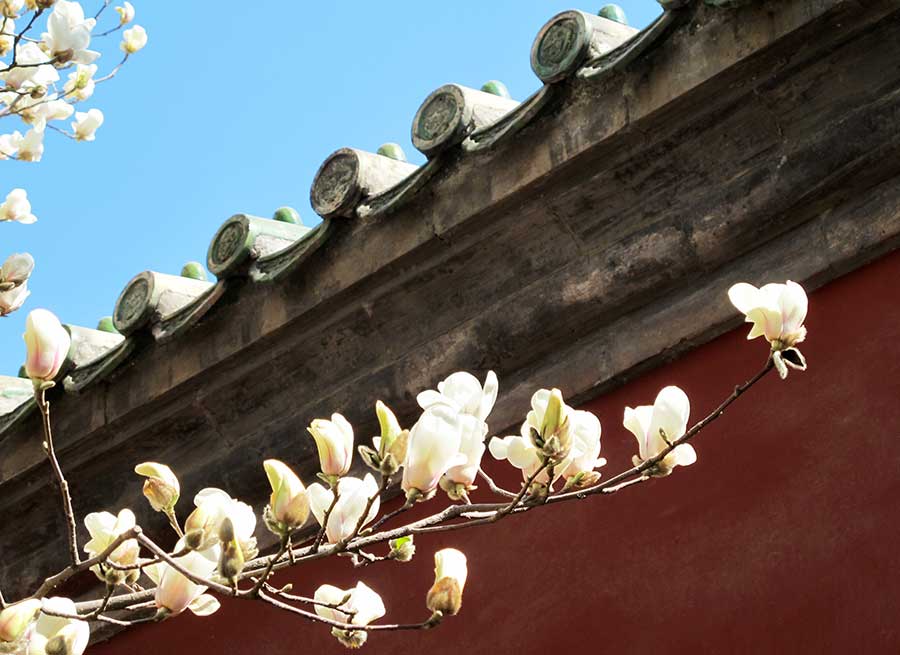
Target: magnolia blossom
(471,446)
(161,488)
(176,592)
(33,67)
(549,417)
(660,425)
(133,39)
(585,454)
(13,299)
(289,502)
(104,528)
(777,311)
(31,148)
(203,525)
(7,36)
(434,448)
(334,441)
(463,392)
(17,268)
(81,85)
(353,496)
(86,124)
(126,13)
(9,144)
(16,207)
(16,619)
(39,111)
(68,34)
(361,607)
(47,343)
(450,572)
(11,8)
(54,634)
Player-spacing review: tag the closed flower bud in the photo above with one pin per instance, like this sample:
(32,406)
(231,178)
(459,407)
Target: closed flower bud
(334,441)
(161,487)
(450,573)
(47,344)
(390,427)
(70,640)
(231,561)
(289,502)
(16,619)
(402,548)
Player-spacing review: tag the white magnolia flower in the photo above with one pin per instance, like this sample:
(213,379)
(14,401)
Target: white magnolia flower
(777,311)
(522,453)
(81,85)
(126,13)
(9,144)
(654,426)
(16,207)
(11,8)
(362,607)
(450,573)
(7,36)
(213,506)
(353,496)
(47,344)
(86,124)
(176,592)
(54,634)
(104,528)
(68,34)
(334,441)
(17,268)
(585,454)
(464,393)
(28,55)
(31,148)
(434,448)
(38,111)
(133,39)
(549,417)
(473,433)
(13,299)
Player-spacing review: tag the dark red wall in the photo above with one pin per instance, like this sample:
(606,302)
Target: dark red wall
(783,538)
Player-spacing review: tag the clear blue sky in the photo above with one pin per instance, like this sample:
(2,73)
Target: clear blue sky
(231,108)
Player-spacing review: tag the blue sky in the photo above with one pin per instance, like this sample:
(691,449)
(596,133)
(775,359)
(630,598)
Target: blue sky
(227,111)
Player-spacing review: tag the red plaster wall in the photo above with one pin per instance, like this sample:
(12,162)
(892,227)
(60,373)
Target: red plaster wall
(783,538)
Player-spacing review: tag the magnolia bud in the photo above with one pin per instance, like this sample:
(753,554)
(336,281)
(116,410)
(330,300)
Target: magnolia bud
(350,638)
(389,465)
(390,427)
(161,487)
(450,573)
(231,561)
(289,502)
(198,529)
(16,619)
(402,548)
(47,344)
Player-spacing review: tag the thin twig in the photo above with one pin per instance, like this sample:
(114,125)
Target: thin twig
(500,491)
(44,406)
(321,534)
